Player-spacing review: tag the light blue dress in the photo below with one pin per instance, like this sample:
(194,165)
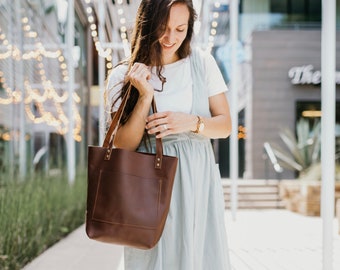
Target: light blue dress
(194,237)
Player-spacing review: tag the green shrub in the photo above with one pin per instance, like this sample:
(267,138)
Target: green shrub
(36,213)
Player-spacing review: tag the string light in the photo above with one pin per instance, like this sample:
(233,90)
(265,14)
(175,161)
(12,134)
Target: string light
(216,15)
(106,53)
(213,27)
(94,33)
(49,94)
(33,96)
(242,132)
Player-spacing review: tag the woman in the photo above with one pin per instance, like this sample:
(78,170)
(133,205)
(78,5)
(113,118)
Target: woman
(192,108)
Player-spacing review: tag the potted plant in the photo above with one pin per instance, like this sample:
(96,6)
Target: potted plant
(302,195)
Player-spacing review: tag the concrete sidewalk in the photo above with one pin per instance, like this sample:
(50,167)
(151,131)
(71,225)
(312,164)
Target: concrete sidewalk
(78,252)
(258,240)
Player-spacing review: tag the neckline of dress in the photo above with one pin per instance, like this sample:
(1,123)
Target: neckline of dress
(175,64)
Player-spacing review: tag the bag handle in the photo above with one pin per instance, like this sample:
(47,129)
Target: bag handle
(108,141)
(109,137)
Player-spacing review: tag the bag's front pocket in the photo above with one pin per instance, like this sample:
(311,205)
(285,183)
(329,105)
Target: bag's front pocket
(133,200)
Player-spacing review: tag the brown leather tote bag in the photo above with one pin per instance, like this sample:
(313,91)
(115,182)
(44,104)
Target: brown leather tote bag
(129,193)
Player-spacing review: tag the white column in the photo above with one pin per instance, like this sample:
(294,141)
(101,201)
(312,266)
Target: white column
(20,85)
(234,106)
(328,42)
(69,136)
(101,67)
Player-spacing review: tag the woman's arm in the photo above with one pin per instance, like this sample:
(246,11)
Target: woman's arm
(216,126)
(130,134)
(219,125)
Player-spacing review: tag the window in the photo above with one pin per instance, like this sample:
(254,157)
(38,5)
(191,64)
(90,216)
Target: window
(297,7)
(314,11)
(279,6)
(310,9)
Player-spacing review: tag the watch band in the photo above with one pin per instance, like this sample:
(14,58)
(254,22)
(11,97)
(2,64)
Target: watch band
(199,122)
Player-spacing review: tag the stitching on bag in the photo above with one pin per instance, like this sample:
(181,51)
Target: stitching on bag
(125,224)
(159,195)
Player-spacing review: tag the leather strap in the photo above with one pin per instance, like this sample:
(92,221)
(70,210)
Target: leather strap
(159,144)
(109,137)
(108,141)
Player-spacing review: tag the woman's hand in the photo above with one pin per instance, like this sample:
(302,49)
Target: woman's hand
(130,134)
(216,126)
(166,123)
(139,76)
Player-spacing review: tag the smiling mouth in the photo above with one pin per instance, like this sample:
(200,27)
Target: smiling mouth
(167,45)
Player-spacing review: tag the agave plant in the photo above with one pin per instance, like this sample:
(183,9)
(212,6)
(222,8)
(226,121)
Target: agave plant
(303,149)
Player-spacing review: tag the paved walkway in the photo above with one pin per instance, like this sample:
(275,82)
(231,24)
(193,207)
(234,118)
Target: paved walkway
(258,240)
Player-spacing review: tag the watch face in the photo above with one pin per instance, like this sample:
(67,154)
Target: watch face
(201,127)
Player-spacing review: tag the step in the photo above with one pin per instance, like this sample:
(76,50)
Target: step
(255,197)
(257,189)
(258,205)
(252,182)
(254,194)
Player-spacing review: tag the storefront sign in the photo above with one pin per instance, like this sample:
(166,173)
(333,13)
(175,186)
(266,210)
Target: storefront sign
(307,75)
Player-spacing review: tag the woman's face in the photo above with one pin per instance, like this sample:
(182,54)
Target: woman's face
(174,32)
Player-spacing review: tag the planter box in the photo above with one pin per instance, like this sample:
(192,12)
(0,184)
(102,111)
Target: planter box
(304,196)
(338,213)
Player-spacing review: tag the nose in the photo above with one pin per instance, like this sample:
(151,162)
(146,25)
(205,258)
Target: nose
(169,36)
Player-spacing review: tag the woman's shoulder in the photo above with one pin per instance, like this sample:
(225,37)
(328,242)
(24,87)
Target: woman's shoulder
(202,58)
(198,52)
(116,75)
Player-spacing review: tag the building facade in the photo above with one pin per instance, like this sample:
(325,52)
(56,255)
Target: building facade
(286,72)
(280,67)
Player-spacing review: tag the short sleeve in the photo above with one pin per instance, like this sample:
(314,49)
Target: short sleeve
(114,84)
(214,78)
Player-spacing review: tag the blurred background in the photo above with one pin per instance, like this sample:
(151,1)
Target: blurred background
(55,56)
(278,56)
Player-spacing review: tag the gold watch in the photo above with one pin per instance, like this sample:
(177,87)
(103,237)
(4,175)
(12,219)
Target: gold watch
(200,125)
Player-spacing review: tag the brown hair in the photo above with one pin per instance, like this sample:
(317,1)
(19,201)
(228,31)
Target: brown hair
(152,16)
